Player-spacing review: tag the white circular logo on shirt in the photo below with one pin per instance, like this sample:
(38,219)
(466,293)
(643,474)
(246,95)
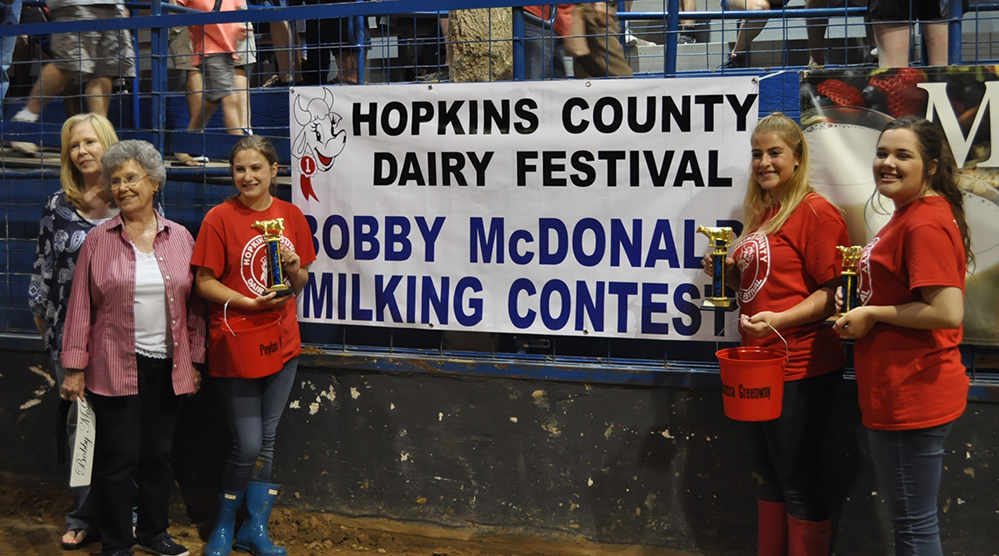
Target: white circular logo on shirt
(865,289)
(253,265)
(753,259)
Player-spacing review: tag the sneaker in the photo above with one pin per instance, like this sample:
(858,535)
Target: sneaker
(629,38)
(163,545)
(632,40)
(686,39)
(734,62)
(24,148)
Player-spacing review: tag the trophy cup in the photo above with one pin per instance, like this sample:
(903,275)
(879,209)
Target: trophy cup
(272,230)
(720,239)
(851,259)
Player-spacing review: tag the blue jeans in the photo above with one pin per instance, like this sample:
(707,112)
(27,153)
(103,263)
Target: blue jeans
(909,464)
(9,15)
(253,407)
(787,452)
(543,50)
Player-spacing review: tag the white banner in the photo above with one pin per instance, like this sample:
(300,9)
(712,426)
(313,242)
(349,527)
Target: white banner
(545,207)
(83,447)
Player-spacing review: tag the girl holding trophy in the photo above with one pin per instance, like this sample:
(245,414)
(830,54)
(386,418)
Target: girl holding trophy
(785,271)
(911,382)
(252,257)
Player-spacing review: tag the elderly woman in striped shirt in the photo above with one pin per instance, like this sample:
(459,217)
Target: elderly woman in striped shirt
(133,332)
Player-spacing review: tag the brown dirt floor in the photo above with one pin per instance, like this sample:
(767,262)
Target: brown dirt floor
(32,522)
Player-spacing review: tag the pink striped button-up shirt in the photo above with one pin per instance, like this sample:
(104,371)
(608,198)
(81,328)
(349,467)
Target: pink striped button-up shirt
(100,321)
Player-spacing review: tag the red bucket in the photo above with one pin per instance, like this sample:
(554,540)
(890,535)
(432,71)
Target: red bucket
(752,382)
(251,344)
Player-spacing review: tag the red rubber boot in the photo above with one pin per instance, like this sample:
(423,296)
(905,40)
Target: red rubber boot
(772,522)
(808,538)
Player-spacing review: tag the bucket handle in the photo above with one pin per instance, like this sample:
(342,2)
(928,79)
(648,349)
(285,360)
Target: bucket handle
(787,348)
(225,319)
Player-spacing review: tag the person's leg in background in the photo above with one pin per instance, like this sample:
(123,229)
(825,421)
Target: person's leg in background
(748,30)
(220,75)
(892,41)
(935,35)
(246,54)
(114,61)
(816,29)
(687,26)
(606,57)
(908,465)
(11,15)
(181,54)
(892,24)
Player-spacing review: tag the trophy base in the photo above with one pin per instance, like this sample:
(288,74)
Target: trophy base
(832,320)
(720,304)
(280,291)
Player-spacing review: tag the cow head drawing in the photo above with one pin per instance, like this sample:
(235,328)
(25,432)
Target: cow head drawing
(320,141)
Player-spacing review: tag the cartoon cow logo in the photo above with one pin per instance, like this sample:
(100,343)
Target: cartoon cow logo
(320,141)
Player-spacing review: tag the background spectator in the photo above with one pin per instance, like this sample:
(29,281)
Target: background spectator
(95,57)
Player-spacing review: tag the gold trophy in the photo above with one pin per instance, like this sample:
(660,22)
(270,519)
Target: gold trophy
(720,239)
(273,230)
(851,259)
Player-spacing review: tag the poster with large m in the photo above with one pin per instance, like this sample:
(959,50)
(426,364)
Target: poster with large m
(843,112)
(564,208)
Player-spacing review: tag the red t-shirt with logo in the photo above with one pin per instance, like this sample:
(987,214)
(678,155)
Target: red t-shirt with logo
(908,378)
(780,270)
(236,253)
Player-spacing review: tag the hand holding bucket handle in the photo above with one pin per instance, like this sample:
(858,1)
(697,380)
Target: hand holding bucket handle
(253,347)
(753,380)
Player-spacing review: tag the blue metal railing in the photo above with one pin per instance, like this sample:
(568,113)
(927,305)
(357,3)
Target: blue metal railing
(635,361)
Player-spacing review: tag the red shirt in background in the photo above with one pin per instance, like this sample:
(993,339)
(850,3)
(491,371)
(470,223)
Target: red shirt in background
(216,38)
(780,270)
(236,253)
(908,378)
(563,16)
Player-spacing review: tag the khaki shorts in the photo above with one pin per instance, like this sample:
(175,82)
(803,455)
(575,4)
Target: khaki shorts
(182,53)
(180,49)
(219,73)
(93,53)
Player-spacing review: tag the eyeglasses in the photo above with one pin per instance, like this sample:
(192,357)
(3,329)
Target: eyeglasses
(129,181)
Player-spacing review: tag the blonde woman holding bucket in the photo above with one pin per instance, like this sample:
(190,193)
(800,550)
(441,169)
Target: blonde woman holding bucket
(785,271)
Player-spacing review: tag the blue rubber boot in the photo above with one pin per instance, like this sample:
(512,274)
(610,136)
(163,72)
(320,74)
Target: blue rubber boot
(220,543)
(252,536)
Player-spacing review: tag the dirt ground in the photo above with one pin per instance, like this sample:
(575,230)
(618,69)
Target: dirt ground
(32,522)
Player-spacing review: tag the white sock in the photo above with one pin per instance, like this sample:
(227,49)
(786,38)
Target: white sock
(25,115)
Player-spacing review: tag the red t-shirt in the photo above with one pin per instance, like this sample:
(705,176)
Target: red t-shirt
(563,16)
(909,378)
(236,253)
(215,38)
(782,269)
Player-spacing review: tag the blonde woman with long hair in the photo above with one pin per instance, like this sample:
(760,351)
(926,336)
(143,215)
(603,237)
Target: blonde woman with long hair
(785,270)
(68,216)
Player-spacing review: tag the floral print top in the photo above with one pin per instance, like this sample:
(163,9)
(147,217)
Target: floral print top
(60,235)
